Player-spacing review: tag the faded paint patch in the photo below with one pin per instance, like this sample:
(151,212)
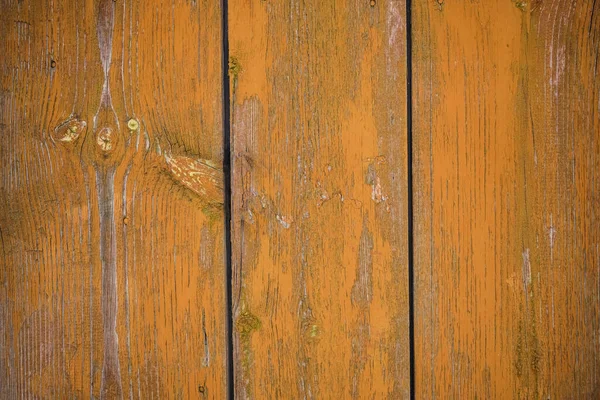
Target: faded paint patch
(551,237)
(207,249)
(512,282)
(362,290)
(360,356)
(245,325)
(69,130)
(395,25)
(40,338)
(526,270)
(202,177)
(285,221)
(321,194)
(372,179)
(377,193)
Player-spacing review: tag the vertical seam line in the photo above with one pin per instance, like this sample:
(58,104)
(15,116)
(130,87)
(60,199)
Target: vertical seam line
(227,194)
(410,224)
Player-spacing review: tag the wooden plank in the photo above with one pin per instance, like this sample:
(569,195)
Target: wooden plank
(507,175)
(320,288)
(112,277)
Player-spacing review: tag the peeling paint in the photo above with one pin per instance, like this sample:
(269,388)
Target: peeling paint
(526,270)
(200,176)
(284,221)
(362,290)
(551,237)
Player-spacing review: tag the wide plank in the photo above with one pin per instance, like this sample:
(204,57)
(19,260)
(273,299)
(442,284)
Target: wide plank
(112,281)
(507,178)
(319,220)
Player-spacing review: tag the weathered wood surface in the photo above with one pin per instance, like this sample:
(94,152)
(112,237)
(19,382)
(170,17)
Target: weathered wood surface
(112,266)
(112,276)
(507,186)
(320,290)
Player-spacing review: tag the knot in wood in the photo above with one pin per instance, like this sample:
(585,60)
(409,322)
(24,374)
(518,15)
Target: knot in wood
(69,130)
(104,139)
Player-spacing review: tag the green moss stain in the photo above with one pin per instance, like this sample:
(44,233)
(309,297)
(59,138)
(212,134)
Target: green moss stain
(245,325)
(521,5)
(310,328)
(214,212)
(235,68)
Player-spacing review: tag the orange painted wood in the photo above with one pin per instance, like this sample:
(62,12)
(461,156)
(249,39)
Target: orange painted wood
(112,271)
(507,174)
(111,201)
(318,114)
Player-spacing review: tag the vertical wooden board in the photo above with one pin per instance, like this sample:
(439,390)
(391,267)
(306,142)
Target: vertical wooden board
(112,281)
(318,114)
(506,172)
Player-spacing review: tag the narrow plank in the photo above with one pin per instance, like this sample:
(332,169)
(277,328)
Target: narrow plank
(318,114)
(507,175)
(112,277)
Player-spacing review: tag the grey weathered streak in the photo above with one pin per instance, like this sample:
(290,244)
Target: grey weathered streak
(106,135)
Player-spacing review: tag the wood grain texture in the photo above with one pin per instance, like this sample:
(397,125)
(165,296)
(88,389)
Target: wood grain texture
(320,288)
(507,178)
(111,225)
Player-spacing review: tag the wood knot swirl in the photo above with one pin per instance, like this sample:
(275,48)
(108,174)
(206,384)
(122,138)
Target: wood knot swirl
(69,130)
(104,147)
(104,139)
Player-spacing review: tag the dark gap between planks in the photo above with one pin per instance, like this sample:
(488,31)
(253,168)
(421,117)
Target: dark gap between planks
(409,147)
(227,194)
